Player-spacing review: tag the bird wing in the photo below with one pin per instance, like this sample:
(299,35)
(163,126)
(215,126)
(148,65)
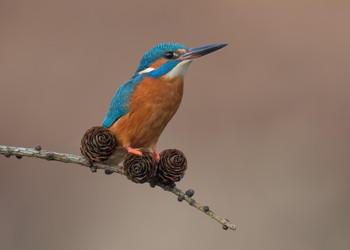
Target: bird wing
(120,102)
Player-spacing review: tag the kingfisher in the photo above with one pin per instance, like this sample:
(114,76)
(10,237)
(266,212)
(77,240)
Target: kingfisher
(143,105)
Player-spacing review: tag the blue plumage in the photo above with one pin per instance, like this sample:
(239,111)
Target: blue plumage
(120,102)
(162,70)
(156,53)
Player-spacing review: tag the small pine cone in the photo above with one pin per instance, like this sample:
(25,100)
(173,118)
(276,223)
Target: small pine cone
(140,169)
(98,143)
(172,166)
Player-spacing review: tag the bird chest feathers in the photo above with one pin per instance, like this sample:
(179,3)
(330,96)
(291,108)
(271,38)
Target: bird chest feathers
(152,105)
(157,98)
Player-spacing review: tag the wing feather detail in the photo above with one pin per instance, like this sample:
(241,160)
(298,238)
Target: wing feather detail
(121,100)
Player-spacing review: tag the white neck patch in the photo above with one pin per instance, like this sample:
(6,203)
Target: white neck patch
(146,71)
(179,70)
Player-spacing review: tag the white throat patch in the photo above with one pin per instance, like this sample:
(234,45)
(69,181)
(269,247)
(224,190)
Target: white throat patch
(179,70)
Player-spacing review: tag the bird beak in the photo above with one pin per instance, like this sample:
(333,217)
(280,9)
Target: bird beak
(197,52)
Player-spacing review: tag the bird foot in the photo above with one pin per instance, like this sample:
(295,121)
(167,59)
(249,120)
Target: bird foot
(135,151)
(156,154)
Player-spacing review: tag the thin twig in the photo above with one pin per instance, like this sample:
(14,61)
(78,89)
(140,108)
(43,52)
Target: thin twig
(83,161)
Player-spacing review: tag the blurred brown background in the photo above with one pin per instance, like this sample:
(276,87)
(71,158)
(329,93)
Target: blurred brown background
(264,123)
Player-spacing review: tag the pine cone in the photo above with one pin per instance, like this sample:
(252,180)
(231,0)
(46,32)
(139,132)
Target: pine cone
(98,143)
(172,166)
(140,169)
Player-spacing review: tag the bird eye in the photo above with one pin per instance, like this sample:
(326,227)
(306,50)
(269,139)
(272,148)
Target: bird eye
(169,55)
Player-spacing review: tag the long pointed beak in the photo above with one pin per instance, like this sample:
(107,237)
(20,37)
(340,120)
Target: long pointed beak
(197,52)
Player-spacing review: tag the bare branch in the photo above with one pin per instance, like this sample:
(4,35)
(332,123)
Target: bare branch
(83,161)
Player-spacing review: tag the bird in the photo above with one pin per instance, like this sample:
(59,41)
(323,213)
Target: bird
(142,106)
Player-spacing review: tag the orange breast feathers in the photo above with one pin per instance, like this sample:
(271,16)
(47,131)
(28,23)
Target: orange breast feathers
(152,105)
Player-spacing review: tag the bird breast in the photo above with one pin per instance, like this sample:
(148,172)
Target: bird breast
(152,105)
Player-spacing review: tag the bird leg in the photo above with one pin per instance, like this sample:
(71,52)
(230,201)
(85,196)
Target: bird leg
(135,151)
(155,153)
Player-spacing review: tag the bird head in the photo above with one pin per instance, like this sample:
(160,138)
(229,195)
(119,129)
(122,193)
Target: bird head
(171,60)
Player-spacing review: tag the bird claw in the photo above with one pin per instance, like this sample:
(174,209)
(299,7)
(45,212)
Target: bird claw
(138,152)
(156,155)
(135,151)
